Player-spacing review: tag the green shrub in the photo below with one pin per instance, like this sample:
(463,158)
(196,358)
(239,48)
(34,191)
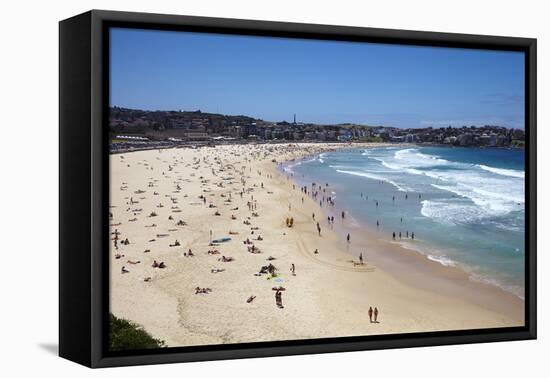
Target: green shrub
(126,335)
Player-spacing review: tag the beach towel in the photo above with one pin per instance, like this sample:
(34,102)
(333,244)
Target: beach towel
(221,240)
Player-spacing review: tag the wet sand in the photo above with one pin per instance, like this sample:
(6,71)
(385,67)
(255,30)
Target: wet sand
(328,297)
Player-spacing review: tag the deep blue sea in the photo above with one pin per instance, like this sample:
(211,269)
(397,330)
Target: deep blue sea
(466,206)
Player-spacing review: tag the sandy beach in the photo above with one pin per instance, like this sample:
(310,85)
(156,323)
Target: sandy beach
(172,201)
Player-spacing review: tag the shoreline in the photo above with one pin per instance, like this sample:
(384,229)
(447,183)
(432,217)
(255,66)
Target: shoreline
(327,286)
(373,233)
(417,269)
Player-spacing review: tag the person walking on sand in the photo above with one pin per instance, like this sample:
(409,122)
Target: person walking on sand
(279,299)
(376,314)
(370,314)
(343,214)
(318,228)
(293,269)
(348,237)
(361,258)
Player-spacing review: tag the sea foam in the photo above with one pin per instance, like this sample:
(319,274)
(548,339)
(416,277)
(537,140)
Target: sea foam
(502,171)
(375,177)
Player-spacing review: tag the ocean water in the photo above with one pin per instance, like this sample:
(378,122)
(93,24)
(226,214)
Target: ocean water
(466,206)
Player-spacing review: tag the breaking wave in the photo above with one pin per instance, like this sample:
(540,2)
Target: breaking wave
(503,172)
(374,177)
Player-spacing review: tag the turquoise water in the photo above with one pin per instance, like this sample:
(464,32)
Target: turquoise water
(466,206)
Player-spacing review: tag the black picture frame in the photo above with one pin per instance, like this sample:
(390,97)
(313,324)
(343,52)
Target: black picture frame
(83,181)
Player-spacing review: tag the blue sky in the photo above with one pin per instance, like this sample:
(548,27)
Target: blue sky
(321,81)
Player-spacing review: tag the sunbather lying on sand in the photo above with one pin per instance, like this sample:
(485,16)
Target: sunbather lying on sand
(202,290)
(133,262)
(226,259)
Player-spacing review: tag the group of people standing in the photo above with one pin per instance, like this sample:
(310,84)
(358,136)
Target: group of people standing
(373,314)
(401,235)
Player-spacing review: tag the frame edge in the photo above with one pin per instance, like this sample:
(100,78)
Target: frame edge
(75,336)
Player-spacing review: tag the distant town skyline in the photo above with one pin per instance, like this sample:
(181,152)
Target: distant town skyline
(322,82)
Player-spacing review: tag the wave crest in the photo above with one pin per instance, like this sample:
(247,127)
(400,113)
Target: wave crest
(502,171)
